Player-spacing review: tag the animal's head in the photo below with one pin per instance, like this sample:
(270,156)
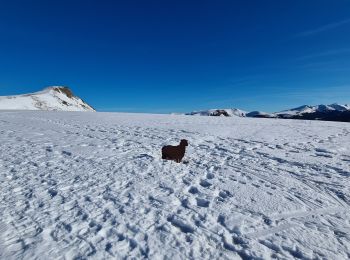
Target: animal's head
(184,142)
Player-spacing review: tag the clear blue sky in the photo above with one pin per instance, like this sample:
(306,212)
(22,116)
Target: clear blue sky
(179,56)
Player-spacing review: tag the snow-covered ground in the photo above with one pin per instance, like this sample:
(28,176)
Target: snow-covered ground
(80,185)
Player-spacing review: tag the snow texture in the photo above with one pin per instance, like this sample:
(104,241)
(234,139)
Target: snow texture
(93,186)
(52,98)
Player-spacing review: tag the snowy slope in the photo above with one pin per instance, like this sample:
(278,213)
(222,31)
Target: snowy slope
(51,98)
(93,186)
(306,109)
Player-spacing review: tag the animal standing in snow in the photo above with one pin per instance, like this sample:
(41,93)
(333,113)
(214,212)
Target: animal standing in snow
(175,153)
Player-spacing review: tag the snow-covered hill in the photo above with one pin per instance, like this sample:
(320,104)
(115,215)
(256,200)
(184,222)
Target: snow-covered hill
(93,186)
(333,112)
(52,98)
(260,114)
(219,112)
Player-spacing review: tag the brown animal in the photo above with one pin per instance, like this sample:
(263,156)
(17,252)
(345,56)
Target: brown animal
(175,153)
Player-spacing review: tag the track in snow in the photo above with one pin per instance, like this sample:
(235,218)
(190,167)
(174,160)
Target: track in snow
(94,186)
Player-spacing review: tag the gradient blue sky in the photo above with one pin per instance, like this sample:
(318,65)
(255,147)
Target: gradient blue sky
(179,56)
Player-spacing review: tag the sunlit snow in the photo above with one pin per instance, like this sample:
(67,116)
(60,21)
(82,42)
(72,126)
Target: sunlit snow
(93,185)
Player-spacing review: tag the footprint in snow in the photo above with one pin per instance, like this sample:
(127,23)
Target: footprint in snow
(67,153)
(324,155)
(210,176)
(193,190)
(224,194)
(267,221)
(205,184)
(52,192)
(184,227)
(202,202)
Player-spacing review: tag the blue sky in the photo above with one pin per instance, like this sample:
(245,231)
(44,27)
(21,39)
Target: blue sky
(179,56)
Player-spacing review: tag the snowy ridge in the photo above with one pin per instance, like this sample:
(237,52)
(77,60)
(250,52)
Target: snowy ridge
(93,186)
(333,112)
(52,98)
(305,109)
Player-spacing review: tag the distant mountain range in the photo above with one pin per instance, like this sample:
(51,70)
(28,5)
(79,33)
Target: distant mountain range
(56,98)
(333,112)
(59,98)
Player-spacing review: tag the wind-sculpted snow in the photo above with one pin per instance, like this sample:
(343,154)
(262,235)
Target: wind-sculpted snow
(94,186)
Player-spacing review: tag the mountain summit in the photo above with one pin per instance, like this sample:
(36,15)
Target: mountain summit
(56,98)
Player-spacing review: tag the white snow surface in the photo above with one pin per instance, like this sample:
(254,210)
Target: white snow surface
(51,98)
(93,186)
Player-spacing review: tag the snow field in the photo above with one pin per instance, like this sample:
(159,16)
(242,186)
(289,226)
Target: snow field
(93,185)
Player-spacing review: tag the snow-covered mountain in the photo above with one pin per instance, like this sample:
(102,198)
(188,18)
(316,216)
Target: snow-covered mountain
(333,112)
(306,109)
(52,98)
